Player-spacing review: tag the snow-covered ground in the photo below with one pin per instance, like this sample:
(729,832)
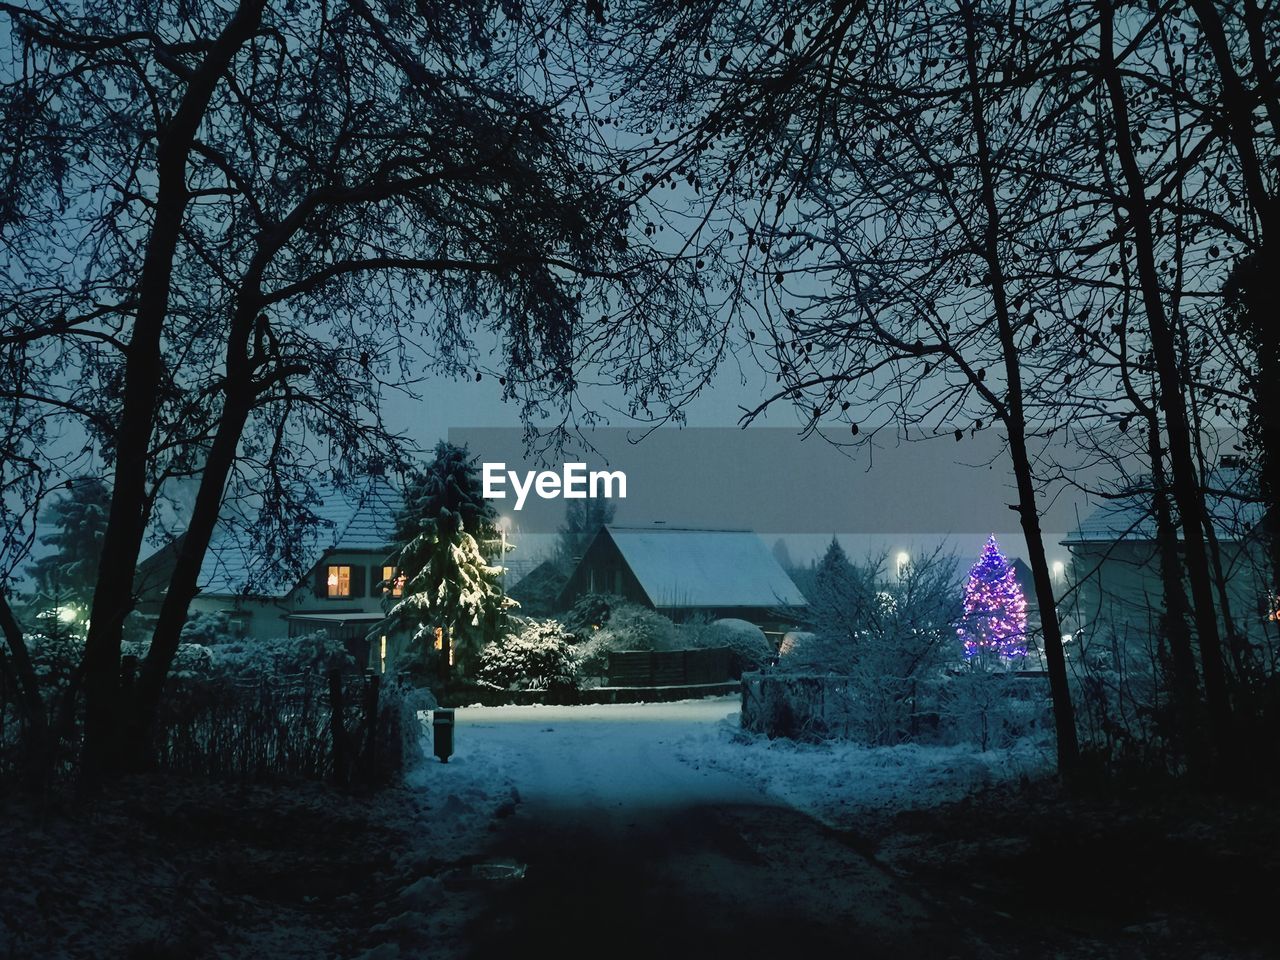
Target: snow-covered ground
(641,755)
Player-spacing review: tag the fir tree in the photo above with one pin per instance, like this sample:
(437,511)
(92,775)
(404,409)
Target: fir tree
(64,579)
(839,598)
(582,521)
(453,599)
(994,627)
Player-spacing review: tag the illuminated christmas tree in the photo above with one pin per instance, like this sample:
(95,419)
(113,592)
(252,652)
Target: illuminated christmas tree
(994,627)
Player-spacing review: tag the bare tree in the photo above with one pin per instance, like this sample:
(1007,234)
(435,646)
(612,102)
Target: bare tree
(230,231)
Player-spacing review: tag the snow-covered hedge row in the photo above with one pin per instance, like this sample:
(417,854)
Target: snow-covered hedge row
(983,709)
(747,641)
(629,627)
(316,653)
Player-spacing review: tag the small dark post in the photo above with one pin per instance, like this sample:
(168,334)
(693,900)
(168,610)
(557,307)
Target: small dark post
(442,734)
(336,729)
(369,760)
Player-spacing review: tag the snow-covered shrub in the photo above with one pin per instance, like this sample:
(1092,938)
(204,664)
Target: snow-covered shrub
(535,656)
(54,658)
(590,612)
(800,706)
(629,627)
(889,640)
(313,652)
(750,646)
(209,628)
(191,659)
(793,643)
(991,709)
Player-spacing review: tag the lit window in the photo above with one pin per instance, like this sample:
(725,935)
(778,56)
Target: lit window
(339,581)
(391,583)
(382,654)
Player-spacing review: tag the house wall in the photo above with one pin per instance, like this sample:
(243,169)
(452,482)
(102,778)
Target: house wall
(310,596)
(1118,586)
(263,618)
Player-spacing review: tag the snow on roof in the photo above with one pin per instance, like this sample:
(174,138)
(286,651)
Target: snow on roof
(687,567)
(356,518)
(1129,515)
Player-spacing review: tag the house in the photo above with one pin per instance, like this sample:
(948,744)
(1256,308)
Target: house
(538,590)
(345,588)
(684,572)
(1114,574)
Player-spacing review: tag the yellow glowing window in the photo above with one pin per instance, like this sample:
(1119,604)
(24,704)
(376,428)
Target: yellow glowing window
(339,581)
(391,583)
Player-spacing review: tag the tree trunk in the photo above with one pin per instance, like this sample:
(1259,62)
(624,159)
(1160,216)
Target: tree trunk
(1186,486)
(1014,420)
(1239,107)
(144,370)
(38,746)
(183,585)
(1184,682)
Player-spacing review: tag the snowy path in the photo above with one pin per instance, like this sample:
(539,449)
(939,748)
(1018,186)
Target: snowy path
(596,759)
(632,852)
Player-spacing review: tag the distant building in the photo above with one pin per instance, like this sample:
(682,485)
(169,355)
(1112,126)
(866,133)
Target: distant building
(1114,575)
(538,590)
(348,574)
(683,572)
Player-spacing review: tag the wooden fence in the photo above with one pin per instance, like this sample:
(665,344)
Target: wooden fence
(670,668)
(344,728)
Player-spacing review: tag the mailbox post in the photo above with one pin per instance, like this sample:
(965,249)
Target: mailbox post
(442,734)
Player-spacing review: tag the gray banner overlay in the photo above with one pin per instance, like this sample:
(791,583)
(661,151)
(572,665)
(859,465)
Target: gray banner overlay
(772,481)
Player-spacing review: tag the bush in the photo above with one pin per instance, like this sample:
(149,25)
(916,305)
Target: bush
(537,656)
(747,641)
(590,612)
(315,652)
(208,629)
(991,708)
(191,659)
(629,627)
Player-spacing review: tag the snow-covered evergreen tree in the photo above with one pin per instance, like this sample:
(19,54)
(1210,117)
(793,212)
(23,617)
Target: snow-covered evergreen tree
(64,578)
(453,599)
(841,597)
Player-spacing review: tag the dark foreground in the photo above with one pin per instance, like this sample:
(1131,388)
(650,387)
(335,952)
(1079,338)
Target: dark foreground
(734,881)
(1019,872)
(166,869)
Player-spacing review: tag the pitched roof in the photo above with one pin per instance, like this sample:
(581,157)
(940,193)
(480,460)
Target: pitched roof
(1128,515)
(685,567)
(360,517)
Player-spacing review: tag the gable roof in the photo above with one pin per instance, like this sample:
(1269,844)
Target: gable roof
(1129,516)
(360,517)
(687,567)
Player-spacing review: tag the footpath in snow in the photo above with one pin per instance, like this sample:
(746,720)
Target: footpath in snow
(669,812)
(642,755)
